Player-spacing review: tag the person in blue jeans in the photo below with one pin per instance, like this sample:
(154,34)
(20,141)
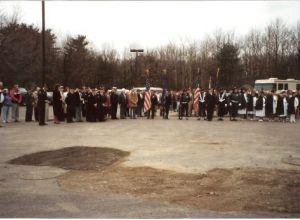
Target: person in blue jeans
(7,104)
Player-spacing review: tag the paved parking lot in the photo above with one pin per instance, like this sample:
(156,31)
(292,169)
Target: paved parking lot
(183,146)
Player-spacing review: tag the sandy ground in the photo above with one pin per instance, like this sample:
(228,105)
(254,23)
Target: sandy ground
(175,169)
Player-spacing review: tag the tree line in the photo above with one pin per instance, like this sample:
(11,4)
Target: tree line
(221,58)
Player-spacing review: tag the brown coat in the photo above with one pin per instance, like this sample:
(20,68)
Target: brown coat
(133,99)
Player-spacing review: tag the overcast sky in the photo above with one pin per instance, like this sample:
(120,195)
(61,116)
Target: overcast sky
(147,24)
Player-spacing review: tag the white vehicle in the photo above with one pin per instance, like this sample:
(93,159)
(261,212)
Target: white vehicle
(156,89)
(277,85)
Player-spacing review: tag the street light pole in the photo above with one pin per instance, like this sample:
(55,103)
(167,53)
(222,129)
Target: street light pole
(43,44)
(164,80)
(136,51)
(1,38)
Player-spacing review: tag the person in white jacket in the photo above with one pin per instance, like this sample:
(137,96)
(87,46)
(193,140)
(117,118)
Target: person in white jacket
(293,104)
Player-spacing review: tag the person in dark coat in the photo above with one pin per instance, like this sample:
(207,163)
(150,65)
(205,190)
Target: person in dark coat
(78,105)
(29,99)
(234,104)
(174,101)
(291,106)
(167,103)
(222,104)
(100,100)
(114,100)
(280,106)
(90,101)
(58,104)
(269,105)
(71,105)
(83,92)
(202,105)
(154,103)
(210,101)
(123,100)
(184,105)
(85,95)
(42,98)
(140,105)
(242,109)
(260,106)
(250,105)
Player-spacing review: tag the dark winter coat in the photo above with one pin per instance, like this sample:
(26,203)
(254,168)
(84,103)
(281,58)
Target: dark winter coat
(291,106)
(259,103)
(58,105)
(269,105)
(280,107)
(242,101)
(250,106)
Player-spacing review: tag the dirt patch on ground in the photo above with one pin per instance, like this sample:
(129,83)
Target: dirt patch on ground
(220,189)
(73,158)
(237,189)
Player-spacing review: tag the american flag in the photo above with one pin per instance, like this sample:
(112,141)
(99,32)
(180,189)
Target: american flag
(147,102)
(196,98)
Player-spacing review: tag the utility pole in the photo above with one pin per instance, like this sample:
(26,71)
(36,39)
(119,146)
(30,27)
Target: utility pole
(43,45)
(135,77)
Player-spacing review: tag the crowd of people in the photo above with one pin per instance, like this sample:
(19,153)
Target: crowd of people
(99,104)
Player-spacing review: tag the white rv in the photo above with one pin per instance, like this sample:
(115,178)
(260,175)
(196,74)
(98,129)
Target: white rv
(277,85)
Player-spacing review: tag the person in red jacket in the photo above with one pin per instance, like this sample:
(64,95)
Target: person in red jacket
(16,101)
